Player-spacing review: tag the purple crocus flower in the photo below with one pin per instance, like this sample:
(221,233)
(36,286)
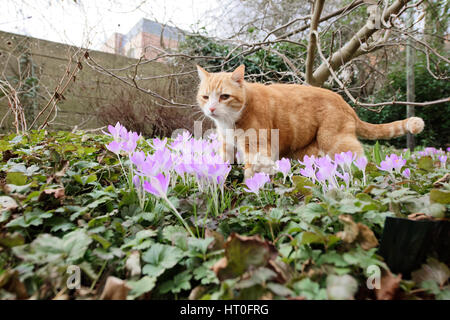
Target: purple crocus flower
(361,163)
(159,144)
(308,161)
(138,159)
(158,185)
(442,159)
(386,165)
(256,182)
(114,147)
(430,151)
(344,159)
(115,131)
(397,162)
(406,173)
(448,149)
(283,166)
(129,145)
(392,162)
(308,172)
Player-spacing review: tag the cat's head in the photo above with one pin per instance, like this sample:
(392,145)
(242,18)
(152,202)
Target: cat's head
(221,95)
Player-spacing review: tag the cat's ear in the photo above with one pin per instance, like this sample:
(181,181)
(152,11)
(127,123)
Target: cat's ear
(238,74)
(202,73)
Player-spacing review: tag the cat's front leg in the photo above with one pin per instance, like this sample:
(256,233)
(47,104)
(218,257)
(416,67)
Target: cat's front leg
(226,152)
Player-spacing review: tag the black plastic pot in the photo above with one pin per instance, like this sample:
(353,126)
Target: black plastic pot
(405,243)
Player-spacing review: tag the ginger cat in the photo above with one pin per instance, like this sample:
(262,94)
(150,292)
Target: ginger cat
(311,120)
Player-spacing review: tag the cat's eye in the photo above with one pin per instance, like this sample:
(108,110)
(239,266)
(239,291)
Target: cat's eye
(224,96)
(205,97)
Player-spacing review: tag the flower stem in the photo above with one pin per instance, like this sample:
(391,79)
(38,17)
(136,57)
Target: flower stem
(179,216)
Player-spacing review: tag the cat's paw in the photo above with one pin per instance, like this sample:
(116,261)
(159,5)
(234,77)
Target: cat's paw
(264,164)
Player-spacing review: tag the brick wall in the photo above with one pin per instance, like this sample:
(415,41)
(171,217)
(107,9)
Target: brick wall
(91,89)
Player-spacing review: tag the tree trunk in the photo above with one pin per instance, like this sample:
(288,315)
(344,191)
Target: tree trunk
(410,85)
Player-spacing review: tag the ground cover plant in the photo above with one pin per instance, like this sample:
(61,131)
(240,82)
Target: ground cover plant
(167,219)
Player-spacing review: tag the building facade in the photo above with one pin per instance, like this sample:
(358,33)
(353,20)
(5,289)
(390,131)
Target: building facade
(146,39)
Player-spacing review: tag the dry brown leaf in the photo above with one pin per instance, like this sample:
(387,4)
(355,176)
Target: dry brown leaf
(133,264)
(64,168)
(218,242)
(7,203)
(283,271)
(440,183)
(243,253)
(219,265)
(389,286)
(357,232)
(9,280)
(115,289)
(197,293)
(350,229)
(419,216)
(366,237)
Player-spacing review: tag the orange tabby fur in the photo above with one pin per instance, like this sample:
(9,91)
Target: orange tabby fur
(311,120)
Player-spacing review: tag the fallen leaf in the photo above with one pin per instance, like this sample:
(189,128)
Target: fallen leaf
(389,285)
(65,166)
(115,289)
(357,232)
(243,253)
(341,287)
(419,216)
(9,280)
(197,293)
(7,203)
(351,229)
(133,264)
(440,182)
(432,270)
(366,237)
(219,241)
(283,271)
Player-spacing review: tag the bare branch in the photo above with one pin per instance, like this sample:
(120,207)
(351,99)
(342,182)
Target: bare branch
(346,53)
(317,10)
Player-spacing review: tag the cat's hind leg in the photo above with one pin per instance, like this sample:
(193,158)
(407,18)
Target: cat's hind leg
(331,142)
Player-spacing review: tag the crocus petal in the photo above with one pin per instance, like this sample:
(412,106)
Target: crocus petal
(114,146)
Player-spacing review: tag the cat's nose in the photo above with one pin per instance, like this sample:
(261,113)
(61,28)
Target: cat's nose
(212,109)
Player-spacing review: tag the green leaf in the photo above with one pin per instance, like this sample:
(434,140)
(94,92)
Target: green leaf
(310,290)
(440,196)
(75,244)
(425,163)
(16,178)
(311,237)
(302,185)
(140,287)
(105,243)
(180,282)
(159,258)
(378,154)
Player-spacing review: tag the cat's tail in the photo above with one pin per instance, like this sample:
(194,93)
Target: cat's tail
(390,130)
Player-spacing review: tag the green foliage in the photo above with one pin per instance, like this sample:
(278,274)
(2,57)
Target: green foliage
(63,202)
(265,64)
(427,88)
